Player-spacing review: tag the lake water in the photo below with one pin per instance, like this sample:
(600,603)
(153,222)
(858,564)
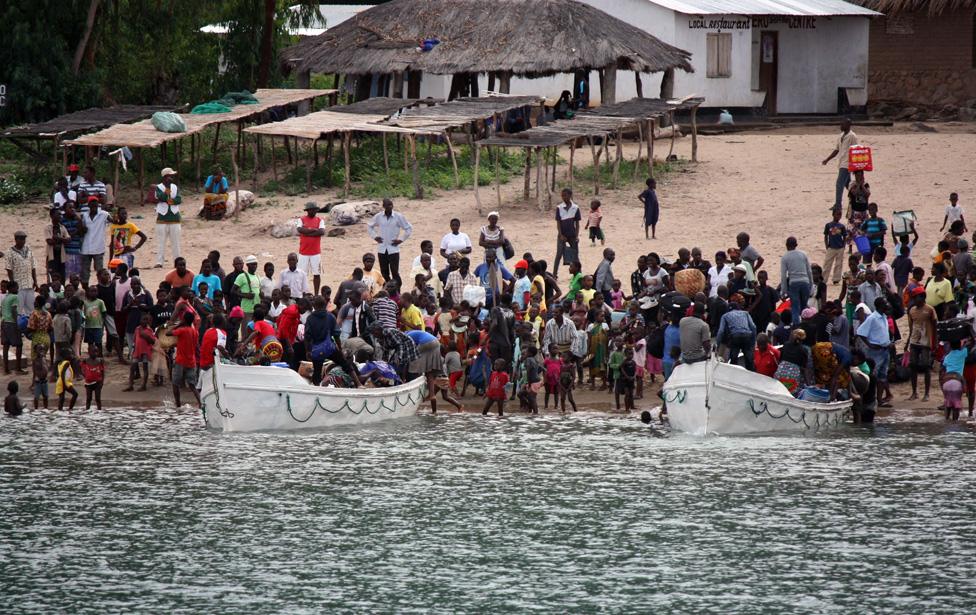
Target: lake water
(145,511)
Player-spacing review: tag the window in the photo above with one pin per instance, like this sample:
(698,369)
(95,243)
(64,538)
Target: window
(719,53)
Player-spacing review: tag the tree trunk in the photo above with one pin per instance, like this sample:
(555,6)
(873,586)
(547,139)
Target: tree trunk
(85,36)
(267,37)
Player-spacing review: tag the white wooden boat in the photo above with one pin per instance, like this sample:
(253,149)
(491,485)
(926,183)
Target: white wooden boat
(256,398)
(714,398)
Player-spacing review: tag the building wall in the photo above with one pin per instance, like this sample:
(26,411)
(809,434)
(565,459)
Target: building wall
(923,59)
(816,57)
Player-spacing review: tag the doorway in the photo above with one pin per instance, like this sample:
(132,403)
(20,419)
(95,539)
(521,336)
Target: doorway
(769,67)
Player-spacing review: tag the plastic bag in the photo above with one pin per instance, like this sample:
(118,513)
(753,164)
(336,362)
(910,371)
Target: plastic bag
(165,121)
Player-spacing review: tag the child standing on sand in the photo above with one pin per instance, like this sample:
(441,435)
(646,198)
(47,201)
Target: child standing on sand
(553,365)
(40,369)
(652,209)
(566,380)
(64,385)
(496,393)
(953,212)
(593,221)
(93,369)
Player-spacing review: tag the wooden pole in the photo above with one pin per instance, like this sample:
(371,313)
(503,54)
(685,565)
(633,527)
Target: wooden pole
(288,149)
(406,154)
(64,159)
(213,149)
(477,169)
(142,175)
(453,156)
(650,147)
(329,154)
(640,148)
(528,173)
(673,130)
(640,84)
(418,190)
(617,159)
(240,142)
(427,161)
(498,176)
(315,148)
(257,139)
(198,155)
(115,177)
(538,178)
(572,153)
(274,160)
(237,181)
(606,150)
(386,154)
(308,168)
(596,166)
(694,134)
(346,160)
(555,158)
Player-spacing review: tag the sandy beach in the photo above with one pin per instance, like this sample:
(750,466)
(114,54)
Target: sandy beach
(769,183)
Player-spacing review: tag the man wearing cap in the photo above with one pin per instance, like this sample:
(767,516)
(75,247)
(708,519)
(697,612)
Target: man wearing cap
(310,233)
(95,228)
(567,231)
(22,269)
(72,177)
(249,287)
(385,228)
(522,288)
(168,219)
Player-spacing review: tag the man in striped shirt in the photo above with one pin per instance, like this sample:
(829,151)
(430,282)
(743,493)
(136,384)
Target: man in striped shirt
(559,331)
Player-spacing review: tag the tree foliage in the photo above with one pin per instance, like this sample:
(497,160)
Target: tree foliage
(139,51)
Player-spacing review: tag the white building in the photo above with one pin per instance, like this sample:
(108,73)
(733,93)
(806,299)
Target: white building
(789,56)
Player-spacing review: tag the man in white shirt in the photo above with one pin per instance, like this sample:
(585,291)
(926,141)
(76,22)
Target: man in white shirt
(293,277)
(385,229)
(94,243)
(846,140)
(455,241)
(567,231)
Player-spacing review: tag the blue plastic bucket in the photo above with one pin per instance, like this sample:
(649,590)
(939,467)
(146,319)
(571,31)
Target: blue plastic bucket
(279,364)
(863,245)
(815,394)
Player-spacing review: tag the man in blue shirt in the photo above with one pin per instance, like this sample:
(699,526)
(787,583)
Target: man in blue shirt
(875,340)
(495,278)
(874,227)
(738,330)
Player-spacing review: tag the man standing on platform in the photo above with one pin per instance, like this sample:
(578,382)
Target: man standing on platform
(385,229)
(310,245)
(168,218)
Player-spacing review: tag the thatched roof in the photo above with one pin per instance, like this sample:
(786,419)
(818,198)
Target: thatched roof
(933,7)
(528,38)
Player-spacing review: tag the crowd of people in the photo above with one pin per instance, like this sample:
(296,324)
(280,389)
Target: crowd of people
(467,312)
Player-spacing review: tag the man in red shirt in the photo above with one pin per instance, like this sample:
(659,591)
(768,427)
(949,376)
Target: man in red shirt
(288,322)
(765,357)
(185,362)
(214,339)
(310,244)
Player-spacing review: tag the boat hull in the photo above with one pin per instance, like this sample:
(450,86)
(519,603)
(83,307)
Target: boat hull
(246,398)
(712,398)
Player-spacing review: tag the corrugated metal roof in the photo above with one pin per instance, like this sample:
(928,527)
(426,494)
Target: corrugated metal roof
(806,8)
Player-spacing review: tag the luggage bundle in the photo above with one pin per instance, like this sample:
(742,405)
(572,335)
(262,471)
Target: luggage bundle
(954,329)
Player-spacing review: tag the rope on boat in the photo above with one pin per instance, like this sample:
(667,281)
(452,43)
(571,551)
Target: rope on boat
(363,408)
(763,408)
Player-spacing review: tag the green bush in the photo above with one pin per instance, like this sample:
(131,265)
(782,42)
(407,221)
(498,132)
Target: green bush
(12,190)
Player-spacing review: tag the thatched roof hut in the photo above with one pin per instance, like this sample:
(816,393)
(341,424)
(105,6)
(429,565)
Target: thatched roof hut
(506,37)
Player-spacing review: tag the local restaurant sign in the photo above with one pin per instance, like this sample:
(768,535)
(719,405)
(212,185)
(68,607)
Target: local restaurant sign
(702,22)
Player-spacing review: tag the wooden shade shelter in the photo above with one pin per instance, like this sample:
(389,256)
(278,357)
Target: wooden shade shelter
(640,114)
(143,134)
